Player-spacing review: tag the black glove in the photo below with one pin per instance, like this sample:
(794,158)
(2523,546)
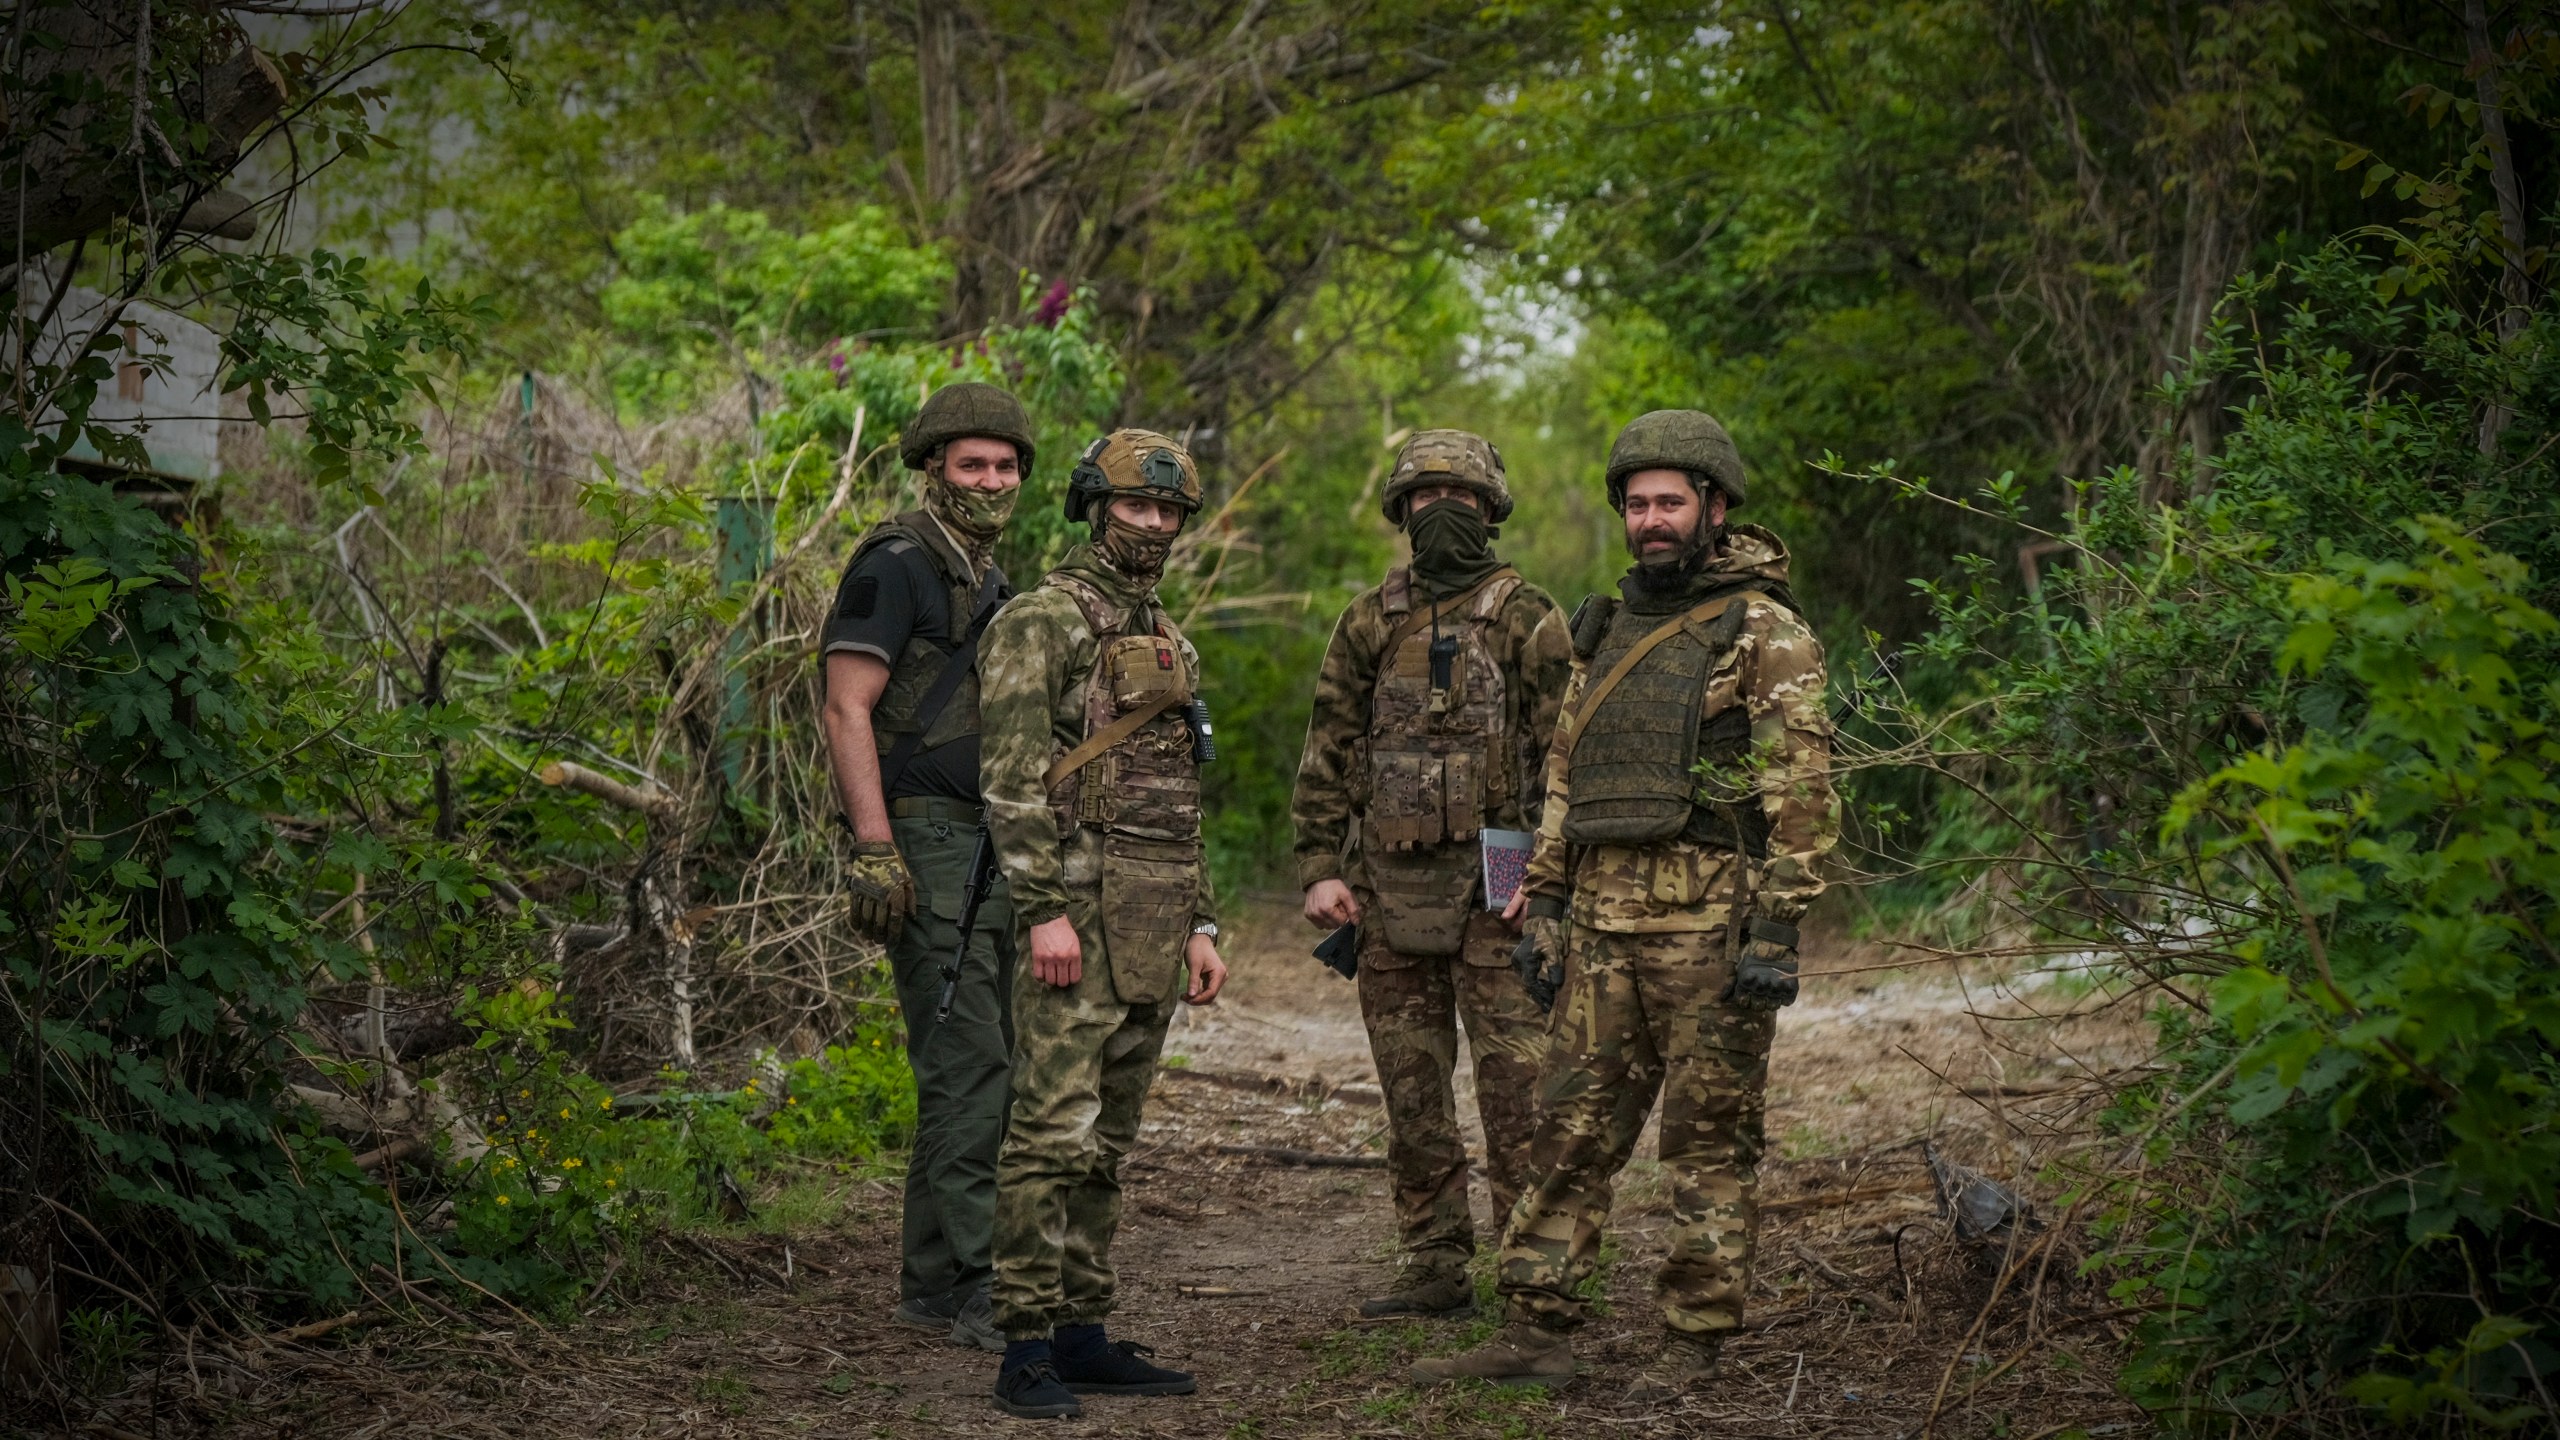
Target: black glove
(1539,957)
(1765,977)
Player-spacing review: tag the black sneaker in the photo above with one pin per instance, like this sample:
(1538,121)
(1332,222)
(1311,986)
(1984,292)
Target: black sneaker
(929,1312)
(1033,1393)
(1117,1370)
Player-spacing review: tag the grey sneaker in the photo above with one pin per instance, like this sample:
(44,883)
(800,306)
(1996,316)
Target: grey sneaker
(974,1325)
(927,1312)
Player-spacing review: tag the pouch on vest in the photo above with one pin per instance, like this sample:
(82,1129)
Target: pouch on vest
(1417,798)
(1423,898)
(1150,891)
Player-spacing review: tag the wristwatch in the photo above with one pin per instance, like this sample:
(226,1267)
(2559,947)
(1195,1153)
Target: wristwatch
(1206,927)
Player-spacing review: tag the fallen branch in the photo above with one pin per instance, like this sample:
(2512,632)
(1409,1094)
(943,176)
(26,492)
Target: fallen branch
(1313,1159)
(1834,1198)
(318,1328)
(411,1290)
(569,775)
(391,1154)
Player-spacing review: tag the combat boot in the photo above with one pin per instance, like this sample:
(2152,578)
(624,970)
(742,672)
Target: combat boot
(928,1312)
(974,1327)
(1685,1362)
(1431,1290)
(1518,1354)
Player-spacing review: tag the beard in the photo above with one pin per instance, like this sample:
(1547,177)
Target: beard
(1669,571)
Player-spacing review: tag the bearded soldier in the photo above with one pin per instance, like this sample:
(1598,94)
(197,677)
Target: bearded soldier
(1094,740)
(1432,713)
(1688,809)
(902,722)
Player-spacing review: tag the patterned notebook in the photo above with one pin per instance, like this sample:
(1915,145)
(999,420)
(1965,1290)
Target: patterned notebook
(1506,864)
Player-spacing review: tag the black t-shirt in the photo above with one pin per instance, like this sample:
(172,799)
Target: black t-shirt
(891,594)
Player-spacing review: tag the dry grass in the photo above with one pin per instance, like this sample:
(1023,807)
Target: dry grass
(1868,1317)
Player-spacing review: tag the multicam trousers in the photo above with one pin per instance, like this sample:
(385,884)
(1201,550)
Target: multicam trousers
(1413,1005)
(1082,1064)
(1641,1015)
(960,1072)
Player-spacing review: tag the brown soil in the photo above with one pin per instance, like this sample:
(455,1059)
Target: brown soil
(1244,1268)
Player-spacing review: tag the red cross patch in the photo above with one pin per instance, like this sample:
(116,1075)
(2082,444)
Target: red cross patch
(1164,657)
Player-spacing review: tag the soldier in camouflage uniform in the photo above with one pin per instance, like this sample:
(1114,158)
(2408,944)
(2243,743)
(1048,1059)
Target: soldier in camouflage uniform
(902,721)
(1688,810)
(1093,792)
(1432,713)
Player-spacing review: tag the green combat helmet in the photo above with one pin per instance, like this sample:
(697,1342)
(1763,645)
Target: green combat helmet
(1688,440)
(1132,462)
(956,412)
(1448,457)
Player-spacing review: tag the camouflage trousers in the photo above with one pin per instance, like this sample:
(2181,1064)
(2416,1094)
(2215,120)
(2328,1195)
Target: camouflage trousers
(1642,1015)
(960,1065)
(1413,1005)
(1082,1065)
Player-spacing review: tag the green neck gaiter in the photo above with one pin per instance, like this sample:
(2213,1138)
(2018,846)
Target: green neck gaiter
(976,517)
(1452,547)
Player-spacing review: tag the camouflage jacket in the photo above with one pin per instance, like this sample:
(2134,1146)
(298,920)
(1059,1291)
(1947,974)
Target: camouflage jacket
(1535,654)
(1775,673)
(1033,668)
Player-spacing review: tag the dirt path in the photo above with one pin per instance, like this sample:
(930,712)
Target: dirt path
(1245,1269)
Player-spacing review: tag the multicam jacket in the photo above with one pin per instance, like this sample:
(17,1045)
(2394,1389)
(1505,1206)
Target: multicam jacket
(1036,676)
(1367,730)
(1773,674)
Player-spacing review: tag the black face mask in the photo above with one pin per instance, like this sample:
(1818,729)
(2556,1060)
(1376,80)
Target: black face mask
(1452,545)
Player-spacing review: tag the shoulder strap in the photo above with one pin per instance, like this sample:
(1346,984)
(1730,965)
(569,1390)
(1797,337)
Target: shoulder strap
(991,598)
(1108,736)
(1497,592)
(1406,627)
(1696,615)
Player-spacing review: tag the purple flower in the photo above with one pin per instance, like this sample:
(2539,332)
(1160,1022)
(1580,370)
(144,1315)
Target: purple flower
(1054,306)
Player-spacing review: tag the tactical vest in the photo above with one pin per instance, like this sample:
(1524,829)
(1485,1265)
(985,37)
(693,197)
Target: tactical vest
(1440,749)
(919,665)
(1142,794)
(1633,775)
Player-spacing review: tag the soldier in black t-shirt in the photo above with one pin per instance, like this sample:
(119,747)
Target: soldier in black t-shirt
(901,722)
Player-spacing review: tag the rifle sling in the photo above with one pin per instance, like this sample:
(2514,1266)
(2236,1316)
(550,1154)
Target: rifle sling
(1108,736)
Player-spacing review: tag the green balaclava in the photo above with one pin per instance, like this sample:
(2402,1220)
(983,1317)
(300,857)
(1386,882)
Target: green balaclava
(1139,555)
(976,516)
(1452,546)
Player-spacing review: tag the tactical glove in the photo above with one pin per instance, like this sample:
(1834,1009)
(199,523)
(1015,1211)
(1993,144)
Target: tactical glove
(884,894)
(1539,957)
(1765,977)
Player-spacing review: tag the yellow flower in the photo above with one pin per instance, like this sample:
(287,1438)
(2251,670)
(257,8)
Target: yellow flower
(524,1094)
(608,1184)
(572,1163)
(791,1100)
(564,1112)
(502,1199)
(502,1119)
(605,1104)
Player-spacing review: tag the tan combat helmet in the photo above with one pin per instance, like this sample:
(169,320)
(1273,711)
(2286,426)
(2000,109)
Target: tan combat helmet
(1447,457)
(956,412)
(1688,440)
(1132,462)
